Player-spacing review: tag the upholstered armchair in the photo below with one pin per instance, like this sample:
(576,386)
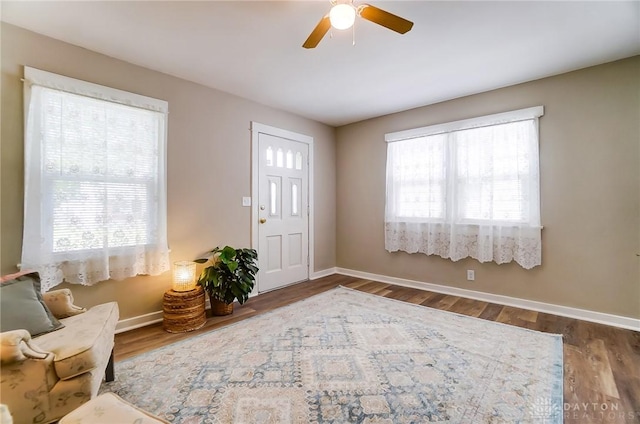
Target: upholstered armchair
(46,377)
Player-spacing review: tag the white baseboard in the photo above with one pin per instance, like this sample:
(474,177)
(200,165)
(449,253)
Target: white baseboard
(139,321)
(565,311)
(324,273)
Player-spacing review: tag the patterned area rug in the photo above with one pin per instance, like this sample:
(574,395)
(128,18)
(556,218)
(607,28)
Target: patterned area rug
(346,356)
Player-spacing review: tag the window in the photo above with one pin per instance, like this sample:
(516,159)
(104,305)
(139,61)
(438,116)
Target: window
(95,181)
(467,189)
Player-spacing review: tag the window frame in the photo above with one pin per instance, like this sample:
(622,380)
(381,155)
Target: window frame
(452,179)
(52,81)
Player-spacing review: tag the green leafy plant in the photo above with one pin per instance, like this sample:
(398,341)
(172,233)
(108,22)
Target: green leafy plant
(231,275)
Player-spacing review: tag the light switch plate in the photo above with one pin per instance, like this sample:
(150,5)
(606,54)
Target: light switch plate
(246,201)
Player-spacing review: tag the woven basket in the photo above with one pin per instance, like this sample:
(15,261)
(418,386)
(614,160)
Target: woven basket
(219,308)
(183,311)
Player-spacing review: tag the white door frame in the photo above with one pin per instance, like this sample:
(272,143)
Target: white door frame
(257,129)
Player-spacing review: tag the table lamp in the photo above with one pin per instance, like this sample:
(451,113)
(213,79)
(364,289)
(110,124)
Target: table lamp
(184,276)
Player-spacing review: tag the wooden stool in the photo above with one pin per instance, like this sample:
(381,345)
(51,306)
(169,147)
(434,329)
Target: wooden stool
(183,311)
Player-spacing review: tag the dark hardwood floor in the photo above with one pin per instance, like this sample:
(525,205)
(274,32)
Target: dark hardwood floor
(601,363)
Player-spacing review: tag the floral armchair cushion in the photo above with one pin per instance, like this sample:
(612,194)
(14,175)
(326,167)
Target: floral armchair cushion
(60,303)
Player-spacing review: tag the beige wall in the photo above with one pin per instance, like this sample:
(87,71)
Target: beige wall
(209,163)
(590,188)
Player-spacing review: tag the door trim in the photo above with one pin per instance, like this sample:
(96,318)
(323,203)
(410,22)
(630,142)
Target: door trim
(257,129)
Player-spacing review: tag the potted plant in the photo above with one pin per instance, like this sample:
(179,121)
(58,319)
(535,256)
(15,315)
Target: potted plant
(231,276)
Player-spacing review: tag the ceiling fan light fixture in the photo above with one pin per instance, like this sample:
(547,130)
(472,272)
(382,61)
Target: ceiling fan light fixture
(342,16)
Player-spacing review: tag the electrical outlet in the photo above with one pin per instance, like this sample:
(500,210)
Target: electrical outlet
(471,275)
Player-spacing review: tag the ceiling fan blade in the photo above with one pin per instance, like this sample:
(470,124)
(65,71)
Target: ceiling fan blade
(386,19)
(318,32)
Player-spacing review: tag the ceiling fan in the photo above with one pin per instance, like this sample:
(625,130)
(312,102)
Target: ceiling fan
(343,14)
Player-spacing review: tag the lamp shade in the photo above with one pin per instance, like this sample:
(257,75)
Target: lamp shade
(342,16)
(184,276)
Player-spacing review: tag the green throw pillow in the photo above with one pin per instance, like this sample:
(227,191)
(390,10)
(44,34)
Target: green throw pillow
(22,307)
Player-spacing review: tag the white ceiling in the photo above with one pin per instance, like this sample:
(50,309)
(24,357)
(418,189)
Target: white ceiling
(253,49)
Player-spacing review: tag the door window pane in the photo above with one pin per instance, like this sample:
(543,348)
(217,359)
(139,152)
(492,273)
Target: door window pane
(273,197)
(269,156)
(298,161)
(294,199)
(289,159)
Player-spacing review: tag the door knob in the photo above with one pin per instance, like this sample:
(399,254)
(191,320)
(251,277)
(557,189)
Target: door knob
(263,220)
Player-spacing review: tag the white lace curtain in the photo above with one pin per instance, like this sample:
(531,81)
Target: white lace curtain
(467,189)
(95,182)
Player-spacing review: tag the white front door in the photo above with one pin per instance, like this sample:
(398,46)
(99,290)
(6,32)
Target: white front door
(283,211)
